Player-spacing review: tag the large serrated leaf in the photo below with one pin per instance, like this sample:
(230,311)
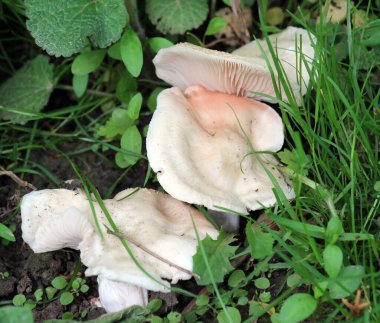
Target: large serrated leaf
(218,253)
(176,16)
(27,91)
(63,27)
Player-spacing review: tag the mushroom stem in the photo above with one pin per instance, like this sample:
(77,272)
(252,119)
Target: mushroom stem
(114,295)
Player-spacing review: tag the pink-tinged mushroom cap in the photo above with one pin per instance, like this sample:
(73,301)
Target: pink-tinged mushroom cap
(54,219)
(243,72)
(201,145)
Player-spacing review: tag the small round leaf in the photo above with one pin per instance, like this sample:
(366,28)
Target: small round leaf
(66,298)
(297,308)
(87,62)
(59,282)
(262,283)
(216,24)
(19,300)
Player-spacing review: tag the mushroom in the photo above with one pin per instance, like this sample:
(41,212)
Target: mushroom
(154,221)
(214,149)
(245,72)
(209,141)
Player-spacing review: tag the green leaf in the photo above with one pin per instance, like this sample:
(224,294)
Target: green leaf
(50,292)
(133,314)
(334,230)
(75,285)
(261,243)
(66,298)
(59,282)
(87,62)
(377,186)
(19,300)
(131,141)
(38,294)
(320,288)
(242,301)
(80,84)
(28,89)
(131,52)
(333,260)
(215,24)
(236,278)
(116,125)
(157,43)
(202,300)
(218,253)
(233,313)
(296,160)
(262,283)
(265,297)
(12,314)
(177,16)
(154,305)
(297,307)
(115,52)
(67,316)
(63,28)
(348,280)
(152,99)
(84,288)
(174,317)
(371,35)
(6,233)
(294,280)
(29,304)
(134,106)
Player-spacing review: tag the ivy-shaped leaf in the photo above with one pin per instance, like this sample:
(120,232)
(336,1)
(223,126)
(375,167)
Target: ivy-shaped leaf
(28,90)
(177,16)
(116,125)
(63,27)
(218,253)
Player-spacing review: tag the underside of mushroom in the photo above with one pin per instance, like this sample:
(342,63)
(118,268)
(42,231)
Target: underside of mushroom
(214,149)
(156,224)
(249,71)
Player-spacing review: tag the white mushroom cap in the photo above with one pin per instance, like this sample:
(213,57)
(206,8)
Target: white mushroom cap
(201,154)
(114,295)
(241,73)
(152,219)
(294,49)
(54,219)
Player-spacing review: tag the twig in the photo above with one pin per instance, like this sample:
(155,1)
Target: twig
(153,254)
(243,29)
(131,6)
(7,212)
(217,41)
(16,179)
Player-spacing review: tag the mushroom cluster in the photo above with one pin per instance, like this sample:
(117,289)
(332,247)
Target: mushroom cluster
(58,218)
(210,141)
